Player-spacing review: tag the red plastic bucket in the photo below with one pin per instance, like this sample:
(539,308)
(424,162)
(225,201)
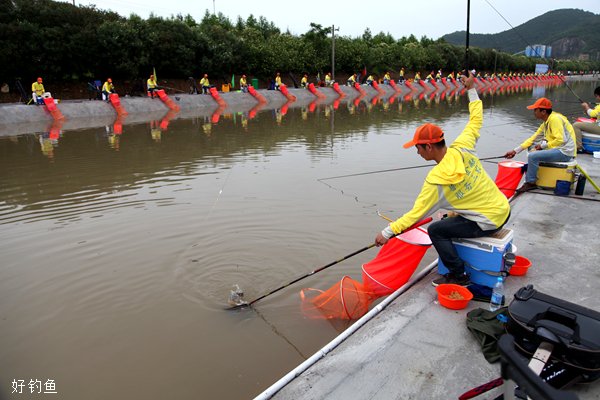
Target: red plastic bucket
(396,262)
(509,176)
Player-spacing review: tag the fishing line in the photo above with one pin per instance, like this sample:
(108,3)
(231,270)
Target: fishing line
(509,24)
(354,196)
(219,194)
(394,169)
(281,335)
(568,196)
(528,44)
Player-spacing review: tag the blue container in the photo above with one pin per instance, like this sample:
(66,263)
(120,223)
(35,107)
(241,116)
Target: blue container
(563,188)
(590,142)
(484,256)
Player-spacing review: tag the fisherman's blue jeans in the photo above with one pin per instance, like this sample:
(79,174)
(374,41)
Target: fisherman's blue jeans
(535,157)
(441,234)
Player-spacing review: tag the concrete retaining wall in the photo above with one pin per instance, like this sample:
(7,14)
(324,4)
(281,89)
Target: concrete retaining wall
(79,114)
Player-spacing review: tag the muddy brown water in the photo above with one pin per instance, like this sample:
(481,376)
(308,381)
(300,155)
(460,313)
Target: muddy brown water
(118,252)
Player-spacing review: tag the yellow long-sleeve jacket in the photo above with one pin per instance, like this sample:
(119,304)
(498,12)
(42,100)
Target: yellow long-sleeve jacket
(557,132)
(151,83)
(107,87)
(460,184)
(38,88)
(594,113)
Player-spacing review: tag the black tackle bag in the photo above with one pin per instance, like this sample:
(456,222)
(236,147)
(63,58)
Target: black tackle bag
(535,317)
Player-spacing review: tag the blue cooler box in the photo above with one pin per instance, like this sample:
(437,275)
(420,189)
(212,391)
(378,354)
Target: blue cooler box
(590,142)
(484,256)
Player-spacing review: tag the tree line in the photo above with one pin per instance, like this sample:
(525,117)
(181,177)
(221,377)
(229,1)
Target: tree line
(63,42)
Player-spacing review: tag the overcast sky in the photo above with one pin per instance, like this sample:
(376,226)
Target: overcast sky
(432,18)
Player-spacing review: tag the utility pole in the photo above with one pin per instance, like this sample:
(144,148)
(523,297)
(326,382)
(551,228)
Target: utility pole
(214,13)
(495,59)
(333,29)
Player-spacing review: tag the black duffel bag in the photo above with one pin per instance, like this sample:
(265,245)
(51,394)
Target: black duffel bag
(535,317)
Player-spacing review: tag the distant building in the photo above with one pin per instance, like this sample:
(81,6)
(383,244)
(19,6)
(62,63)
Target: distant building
(539,50)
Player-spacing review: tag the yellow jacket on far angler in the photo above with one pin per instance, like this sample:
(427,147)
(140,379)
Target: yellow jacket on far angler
(558,133)
(460,184)
(38,88)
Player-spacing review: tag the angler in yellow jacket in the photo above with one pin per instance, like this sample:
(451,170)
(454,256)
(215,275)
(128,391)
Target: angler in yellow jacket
(458,183)
(553,141)
(590,127)
(107,89)
(37,90)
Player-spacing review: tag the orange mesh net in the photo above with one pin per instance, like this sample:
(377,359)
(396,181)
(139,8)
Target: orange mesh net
(347,299)
(396,262)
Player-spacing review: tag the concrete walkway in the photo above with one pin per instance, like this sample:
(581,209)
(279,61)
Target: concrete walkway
(417,349)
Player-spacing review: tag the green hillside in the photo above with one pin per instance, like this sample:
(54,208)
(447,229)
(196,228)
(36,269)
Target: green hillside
(572,33)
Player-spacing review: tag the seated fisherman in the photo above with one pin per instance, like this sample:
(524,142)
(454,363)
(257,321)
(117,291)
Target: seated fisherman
(243,84)
(151,85)
(590,127)
(107,89)
(458,183)
(37,90)
(554,140)
(328,80)
(304,81)
(205,83)
(352,80)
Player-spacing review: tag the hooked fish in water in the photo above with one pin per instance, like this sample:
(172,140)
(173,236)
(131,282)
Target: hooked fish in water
(236,296)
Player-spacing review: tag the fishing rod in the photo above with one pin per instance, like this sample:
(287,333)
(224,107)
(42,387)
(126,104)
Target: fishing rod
(170,88)
(574,102)
(570,90)
(249,304)
(395,169)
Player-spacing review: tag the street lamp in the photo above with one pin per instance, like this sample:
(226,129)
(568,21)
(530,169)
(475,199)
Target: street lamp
(333,29)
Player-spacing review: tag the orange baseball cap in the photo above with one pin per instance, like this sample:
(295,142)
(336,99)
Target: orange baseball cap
(542,102)
(426,133)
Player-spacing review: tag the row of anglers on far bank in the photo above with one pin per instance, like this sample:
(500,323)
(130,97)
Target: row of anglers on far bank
(38,91)
(362,77)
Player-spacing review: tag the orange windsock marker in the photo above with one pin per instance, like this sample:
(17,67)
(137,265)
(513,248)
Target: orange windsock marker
(284,90)
(394,86)
(51,106)
(261,99)
(337,89)
(167,100)
(116,103)
(218,99)
(313,90)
